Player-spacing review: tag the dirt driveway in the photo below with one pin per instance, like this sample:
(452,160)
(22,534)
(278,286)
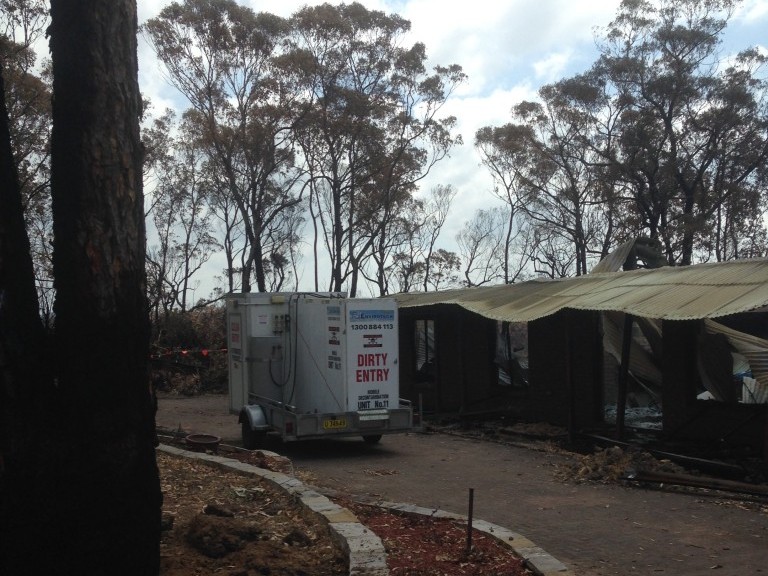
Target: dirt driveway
(596,530)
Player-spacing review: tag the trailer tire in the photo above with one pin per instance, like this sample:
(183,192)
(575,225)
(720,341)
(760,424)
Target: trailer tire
(372,438)
(252,439)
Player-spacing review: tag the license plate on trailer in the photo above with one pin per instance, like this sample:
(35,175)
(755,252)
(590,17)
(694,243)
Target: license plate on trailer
(335,424)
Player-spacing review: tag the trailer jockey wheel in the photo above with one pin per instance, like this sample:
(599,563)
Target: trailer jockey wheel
(252,439)
(372,438)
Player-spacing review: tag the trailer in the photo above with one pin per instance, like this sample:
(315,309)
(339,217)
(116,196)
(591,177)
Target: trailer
(309,365)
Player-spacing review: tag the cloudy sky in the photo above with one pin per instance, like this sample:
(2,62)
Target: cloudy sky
(507,48)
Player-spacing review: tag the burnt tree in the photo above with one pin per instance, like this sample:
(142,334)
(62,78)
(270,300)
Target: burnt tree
(84,497)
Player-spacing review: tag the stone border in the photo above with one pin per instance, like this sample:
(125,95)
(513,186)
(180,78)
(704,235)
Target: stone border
(366,550)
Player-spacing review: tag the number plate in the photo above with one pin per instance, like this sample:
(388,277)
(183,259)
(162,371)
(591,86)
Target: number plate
(335,424)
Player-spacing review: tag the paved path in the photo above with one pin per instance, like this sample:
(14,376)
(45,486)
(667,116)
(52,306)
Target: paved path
(595,530)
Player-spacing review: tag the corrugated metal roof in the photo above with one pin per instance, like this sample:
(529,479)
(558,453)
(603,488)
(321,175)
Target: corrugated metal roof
(670,293)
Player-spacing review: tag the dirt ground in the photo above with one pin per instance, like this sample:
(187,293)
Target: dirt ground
(596,529)
(208,414)
(227,523)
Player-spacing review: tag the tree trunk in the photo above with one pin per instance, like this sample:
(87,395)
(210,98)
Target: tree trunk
(98,479)
(25,381)
(258,263)
(689,227)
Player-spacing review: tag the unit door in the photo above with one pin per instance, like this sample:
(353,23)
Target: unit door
(372,354)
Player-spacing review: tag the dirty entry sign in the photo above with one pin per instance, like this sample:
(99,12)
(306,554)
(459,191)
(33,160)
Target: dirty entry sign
(372,368)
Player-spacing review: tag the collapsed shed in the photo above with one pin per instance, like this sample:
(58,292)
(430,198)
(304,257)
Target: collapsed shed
(674,335)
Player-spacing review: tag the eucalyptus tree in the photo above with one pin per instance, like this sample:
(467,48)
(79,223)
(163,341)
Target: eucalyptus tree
(397,232)
(28,97)
(683,127)
(481,242)
(568,192)
(407,269)
(282,242)
(435,210)
(445,269)
(664,136)
(231,234)
(373,130)
(227,61)
(183,221)
(28,101)
(502,151)
(406,261)
(545,174)
(553,256)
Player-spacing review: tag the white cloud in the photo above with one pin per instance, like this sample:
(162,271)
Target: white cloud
(752,11)
(496,43)
(150,8)
(553,66)
(751,21)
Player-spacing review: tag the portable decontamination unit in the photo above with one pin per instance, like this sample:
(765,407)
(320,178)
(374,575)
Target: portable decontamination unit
(309,365)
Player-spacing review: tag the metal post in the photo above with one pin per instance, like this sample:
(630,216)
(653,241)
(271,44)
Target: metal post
(569,378)
(469,520)
(421,411)
(621,396)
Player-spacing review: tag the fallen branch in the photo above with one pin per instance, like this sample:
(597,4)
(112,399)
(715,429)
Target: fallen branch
(699,482)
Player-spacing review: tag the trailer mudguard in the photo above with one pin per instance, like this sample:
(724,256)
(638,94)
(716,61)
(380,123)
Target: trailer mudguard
(255,416)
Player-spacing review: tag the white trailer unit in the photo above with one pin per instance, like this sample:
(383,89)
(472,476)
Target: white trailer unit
(309,365)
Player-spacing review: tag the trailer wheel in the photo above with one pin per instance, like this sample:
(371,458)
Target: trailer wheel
(372,438)
(251,438)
